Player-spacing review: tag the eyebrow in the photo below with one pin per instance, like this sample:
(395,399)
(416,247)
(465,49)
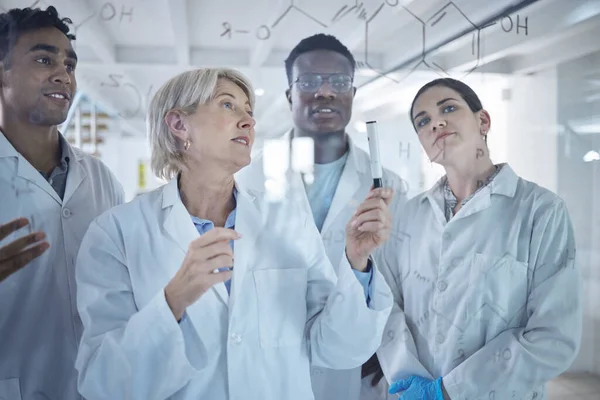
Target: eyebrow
(439,103)
(51,49)
(230,95)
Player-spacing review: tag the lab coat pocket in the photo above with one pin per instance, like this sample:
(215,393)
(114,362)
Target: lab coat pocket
(500,285)
(10,389)
(281,296)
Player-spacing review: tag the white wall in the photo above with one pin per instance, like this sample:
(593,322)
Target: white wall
(532,127)
(123,156)
(531,138)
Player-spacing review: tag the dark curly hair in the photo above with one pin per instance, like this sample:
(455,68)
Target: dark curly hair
(20,20)
(319,41)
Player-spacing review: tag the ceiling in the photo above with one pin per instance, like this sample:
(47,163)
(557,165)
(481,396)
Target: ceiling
(128,48)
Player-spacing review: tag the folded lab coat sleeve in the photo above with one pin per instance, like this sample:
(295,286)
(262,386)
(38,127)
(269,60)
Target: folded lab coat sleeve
(397,355)
(365,279)
(519,360)
(343,330)
(124,353)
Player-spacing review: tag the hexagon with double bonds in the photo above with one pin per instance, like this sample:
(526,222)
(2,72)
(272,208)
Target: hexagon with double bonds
(463,56)
(411,45)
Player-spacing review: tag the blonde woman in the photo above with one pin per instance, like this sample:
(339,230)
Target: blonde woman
(170,312)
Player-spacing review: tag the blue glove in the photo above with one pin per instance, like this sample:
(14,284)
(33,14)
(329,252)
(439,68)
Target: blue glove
(418,388)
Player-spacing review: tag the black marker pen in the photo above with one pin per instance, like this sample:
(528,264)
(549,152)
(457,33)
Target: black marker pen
(376,170)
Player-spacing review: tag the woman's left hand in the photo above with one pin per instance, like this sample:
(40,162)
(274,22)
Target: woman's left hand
(369,227)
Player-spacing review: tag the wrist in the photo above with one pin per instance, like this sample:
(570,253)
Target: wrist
(359,263)
(174,305)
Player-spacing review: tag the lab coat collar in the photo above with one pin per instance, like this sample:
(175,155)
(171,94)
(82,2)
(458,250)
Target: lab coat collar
(349,182)
(179,226)
(25,170)
(504,184)
(75,174)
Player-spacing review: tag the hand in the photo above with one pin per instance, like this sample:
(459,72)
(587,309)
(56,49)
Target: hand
(15,255)
(199,270)
(372,367)
(369,227)
(418,388)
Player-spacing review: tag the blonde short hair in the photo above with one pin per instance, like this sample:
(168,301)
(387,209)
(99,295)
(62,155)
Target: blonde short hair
(184,93)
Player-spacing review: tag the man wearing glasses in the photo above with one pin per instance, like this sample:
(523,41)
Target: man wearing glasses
(320,72)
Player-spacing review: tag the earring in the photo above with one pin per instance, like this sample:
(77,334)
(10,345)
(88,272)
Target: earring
(187,144)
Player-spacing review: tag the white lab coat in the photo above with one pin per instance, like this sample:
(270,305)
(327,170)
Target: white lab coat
(354,184)
(286,307)
(491,300)
(39,327)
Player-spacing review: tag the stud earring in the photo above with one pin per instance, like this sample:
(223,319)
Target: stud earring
(187,145)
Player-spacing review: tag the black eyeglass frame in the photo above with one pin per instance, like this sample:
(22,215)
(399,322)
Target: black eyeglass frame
(322,78)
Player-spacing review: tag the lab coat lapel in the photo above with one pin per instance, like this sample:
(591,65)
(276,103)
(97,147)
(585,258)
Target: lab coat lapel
(348,185)
(75,175)
(177,223)
(248,224)
(179,226)
(25,170)
(435,196)
(504,184)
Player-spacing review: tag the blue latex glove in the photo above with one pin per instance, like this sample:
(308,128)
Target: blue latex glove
(418,388)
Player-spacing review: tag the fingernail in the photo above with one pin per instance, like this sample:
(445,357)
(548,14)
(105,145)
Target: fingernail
(40,236)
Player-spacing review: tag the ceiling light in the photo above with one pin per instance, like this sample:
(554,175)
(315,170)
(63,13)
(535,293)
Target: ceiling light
(259,91)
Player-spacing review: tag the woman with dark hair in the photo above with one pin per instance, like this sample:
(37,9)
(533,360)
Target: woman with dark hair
(487,292)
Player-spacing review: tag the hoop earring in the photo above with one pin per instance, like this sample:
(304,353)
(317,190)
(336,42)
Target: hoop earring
(187,144)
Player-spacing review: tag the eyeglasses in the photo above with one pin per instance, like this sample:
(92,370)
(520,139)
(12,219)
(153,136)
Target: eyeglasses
(310,83)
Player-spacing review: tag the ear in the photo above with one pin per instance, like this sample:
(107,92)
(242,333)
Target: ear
(176,123)
(288,96)
(485,122)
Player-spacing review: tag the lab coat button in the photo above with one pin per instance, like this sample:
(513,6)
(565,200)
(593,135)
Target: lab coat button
(440,338)
(391,334)
(442,286)
(535,395)
(236,338)
(317,371)
(66,212)
(446,236)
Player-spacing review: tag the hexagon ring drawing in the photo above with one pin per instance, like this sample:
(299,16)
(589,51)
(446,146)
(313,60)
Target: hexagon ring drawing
(407,38)
(458,40)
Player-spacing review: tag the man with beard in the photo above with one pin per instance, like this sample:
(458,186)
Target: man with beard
(54,189)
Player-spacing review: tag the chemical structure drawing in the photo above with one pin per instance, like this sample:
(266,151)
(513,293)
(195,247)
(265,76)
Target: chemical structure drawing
(448,15)
(436,22)
(416,24)
(106,12)
(358,9)
(263,32)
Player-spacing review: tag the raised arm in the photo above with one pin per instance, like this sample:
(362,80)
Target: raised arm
(125,352)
